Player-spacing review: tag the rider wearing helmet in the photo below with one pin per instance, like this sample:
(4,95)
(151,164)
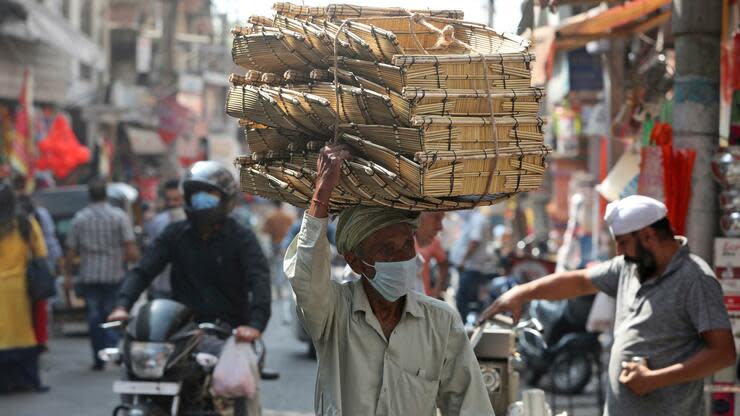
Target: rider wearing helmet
(218,268)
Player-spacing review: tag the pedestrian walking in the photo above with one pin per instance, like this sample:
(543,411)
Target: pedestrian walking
(276,226)
(103,237)
(672,328)
(429,248)
(383,348)
(54,250)
(474,258)
(20,239)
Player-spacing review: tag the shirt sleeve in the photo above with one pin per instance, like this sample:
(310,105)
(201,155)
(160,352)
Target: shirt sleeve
(257,275)
(437,252)
(705,305)
(155,259)
(477,222)
(49,230)
(605,276)
(72,241)
(307,265)
(127,229)
(461,389)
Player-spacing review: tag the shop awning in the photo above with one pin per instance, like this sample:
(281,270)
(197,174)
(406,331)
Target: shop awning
(636,16)
(145,142)
(44,25)
(625,20)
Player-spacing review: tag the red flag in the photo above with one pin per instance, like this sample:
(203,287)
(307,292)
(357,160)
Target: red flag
(22,148)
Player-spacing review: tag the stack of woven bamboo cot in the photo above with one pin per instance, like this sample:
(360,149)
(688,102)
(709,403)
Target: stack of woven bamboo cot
(439,112)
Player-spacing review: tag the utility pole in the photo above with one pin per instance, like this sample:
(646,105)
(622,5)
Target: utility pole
(696,27)
(491,11)
(167,73)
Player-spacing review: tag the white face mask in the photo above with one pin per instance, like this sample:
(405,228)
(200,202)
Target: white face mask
(392,278)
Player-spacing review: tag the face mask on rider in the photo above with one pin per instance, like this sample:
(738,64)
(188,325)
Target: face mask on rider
(204,200)
(392,279)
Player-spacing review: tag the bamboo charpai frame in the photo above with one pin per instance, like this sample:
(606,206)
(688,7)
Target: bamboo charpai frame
(358,105)
(349,11)
(362,182)
(503,73)
(466,172)
(429,134)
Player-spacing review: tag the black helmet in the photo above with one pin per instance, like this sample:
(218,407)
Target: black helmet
(209,176)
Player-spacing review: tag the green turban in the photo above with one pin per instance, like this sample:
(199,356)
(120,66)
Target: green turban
(357,223)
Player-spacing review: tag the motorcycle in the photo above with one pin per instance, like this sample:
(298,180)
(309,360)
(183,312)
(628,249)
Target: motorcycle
(553,341)
(166,373)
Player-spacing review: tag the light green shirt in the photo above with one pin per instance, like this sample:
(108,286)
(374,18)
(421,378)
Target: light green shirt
(427,362)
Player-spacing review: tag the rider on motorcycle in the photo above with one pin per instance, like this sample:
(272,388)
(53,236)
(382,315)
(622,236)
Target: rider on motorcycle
(218,269)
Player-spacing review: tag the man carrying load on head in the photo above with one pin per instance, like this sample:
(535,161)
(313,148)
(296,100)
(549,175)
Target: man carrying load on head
(383,349)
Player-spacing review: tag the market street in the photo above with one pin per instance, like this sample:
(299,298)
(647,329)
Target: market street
(75,390)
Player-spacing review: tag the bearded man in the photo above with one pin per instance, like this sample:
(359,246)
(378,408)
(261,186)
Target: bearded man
(669,310)
(383,348)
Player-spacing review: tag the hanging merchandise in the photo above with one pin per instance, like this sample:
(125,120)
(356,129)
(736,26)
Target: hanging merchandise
(567,127)
(678,165)
(726,171)
(623,178)
(60,151)
(652,177)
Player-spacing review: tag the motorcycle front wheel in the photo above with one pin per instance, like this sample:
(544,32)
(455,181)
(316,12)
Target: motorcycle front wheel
(570,373)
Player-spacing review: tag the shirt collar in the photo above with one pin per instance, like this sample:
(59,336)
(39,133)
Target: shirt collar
(677,259)
(673,265)
(361,303)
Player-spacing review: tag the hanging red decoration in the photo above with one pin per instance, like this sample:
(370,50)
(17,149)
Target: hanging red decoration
(61,151)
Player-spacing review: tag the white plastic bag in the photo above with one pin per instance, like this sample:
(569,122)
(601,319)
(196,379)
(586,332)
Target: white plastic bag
(601,316)
(233,376)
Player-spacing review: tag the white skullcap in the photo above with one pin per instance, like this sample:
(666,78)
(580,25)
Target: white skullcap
(633,213)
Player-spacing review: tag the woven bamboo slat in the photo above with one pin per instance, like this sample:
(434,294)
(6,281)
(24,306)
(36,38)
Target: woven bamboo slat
(504,72)
(318,37)
(274,50)
(261,140)
(349,11)
(429,134)
(281,108)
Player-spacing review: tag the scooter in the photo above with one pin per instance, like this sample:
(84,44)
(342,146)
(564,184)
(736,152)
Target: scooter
(165,373)
(553,341)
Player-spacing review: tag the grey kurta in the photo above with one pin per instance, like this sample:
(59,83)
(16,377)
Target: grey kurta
(427,362)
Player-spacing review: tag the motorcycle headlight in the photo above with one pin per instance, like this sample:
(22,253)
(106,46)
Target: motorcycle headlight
(149,359)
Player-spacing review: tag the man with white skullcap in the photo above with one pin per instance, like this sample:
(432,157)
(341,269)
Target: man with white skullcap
(669,310)
(383,348)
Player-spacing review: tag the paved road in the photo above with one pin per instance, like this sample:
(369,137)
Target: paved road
(76,391)
(80,392)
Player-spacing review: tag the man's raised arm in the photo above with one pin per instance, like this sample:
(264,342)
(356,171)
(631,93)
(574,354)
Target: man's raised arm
(308,258)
